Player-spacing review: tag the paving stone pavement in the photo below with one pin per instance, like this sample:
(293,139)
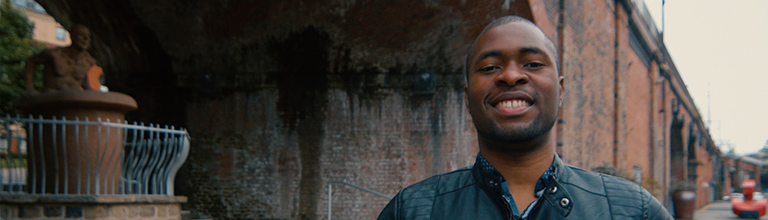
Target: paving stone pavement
(718,210)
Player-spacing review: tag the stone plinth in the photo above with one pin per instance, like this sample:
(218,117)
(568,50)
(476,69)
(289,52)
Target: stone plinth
(74,103)
(65,157)
(49,207)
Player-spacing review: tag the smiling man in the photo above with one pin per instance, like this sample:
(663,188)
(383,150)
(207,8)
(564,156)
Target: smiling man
(514,91)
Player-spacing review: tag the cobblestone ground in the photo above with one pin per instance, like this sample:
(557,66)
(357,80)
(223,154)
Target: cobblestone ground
(718,211)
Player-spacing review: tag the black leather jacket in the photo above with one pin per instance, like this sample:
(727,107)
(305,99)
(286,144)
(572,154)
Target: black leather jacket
(571,193)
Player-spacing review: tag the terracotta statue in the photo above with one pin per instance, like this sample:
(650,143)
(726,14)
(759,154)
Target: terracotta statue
(65,68)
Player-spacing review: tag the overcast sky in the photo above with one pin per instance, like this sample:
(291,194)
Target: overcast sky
(721,48)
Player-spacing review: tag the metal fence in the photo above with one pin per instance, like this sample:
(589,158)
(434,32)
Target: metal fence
(81,156)
(330,194)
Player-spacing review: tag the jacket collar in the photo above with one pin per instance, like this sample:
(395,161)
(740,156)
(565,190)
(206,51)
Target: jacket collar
(486,175)
(554,196)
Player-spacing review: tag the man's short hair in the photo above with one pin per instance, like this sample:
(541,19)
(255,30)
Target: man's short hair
(506,20)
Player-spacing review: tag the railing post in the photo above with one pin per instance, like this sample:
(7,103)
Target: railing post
(330,200)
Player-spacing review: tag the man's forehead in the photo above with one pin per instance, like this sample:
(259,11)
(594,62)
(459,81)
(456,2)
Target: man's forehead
(516,33)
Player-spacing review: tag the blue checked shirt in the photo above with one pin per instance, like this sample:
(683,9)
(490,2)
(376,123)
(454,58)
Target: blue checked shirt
(539,190)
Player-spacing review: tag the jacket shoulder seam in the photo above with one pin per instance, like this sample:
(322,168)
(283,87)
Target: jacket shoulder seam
(469,183)
(607,197)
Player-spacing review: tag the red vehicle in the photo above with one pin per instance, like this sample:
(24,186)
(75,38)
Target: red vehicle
(749,206)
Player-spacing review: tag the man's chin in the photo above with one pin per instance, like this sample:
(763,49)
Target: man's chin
(517,133)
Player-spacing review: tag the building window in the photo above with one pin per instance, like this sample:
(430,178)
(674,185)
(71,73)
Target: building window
(39,8)
(35,6)
(20,3)
(61,34)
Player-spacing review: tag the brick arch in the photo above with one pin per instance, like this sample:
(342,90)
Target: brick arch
(693,143)
(677,152)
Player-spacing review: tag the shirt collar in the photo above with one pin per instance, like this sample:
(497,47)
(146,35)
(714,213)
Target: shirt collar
(486,169)
(497,181)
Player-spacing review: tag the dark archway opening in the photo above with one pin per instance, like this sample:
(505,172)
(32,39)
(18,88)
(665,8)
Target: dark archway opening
(677,154)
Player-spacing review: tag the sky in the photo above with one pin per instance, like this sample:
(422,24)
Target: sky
(720,49)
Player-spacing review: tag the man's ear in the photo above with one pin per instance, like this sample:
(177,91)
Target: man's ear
(466,98)
(562,90)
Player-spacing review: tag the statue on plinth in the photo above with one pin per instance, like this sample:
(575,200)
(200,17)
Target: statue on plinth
(65,68)
(71,154)
(69,76)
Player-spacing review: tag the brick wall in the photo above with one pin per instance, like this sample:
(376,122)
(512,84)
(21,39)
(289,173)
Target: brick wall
(51,207)
(705,177)
(373,143)
(611,110)
(95,212)
(283,97)
(588,70)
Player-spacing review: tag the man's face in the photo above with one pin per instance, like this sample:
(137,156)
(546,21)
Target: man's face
(513,88)
(81,38)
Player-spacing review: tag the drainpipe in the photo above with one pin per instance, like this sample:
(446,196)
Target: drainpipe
(616,85)
(664,136)
(652,102)
(560,53)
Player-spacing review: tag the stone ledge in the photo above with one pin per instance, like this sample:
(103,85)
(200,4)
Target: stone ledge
(90,199)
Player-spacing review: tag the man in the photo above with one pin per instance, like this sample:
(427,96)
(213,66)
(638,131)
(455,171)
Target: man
(513,93)
(65,68)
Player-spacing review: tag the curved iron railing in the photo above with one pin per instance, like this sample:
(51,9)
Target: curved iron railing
(63,156)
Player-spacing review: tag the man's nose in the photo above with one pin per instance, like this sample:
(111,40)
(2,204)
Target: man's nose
(512,76)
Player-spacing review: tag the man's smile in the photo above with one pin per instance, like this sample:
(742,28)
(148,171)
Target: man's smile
(512,103)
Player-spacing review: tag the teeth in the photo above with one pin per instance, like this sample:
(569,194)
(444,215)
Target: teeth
(512,104)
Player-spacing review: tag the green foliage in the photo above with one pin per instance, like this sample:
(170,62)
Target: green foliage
(17,46)
(683,186)
(6,162)
(610,170)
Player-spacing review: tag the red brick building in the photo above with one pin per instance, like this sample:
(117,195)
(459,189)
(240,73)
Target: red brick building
(740,169)
(282,98)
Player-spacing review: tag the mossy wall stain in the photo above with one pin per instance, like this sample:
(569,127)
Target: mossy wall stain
(302,75)
(302,81)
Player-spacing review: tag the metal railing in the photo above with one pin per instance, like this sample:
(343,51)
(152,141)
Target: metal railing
(62,156)
(330,194)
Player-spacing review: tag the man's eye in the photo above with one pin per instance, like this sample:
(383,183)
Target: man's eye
(489,68)
(533,65)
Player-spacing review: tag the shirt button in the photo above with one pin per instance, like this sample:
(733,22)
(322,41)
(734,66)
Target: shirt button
(564,202)
(553,189)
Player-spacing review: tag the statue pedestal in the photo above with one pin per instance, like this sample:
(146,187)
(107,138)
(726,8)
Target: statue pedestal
(75,156)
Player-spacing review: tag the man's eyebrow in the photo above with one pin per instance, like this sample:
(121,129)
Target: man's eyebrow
(493,53)
(533,50)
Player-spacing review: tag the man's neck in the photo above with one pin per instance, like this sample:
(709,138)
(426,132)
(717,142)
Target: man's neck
(521,169)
